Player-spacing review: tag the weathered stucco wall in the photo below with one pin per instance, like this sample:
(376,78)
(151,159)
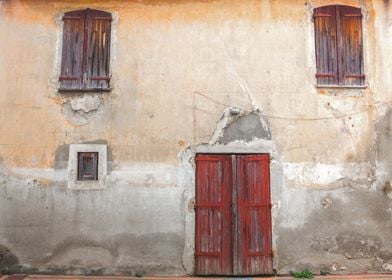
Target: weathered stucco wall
(180,70)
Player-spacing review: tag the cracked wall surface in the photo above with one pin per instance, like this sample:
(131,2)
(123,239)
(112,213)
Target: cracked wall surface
(192,77)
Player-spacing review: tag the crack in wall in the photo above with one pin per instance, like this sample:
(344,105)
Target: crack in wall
(236,77)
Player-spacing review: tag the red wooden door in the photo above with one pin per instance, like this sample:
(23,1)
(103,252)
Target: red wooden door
(253,235)
(213,215)
(233,218)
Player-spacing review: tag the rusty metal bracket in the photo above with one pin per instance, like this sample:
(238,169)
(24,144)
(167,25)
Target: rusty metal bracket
(355,76)
(100,79)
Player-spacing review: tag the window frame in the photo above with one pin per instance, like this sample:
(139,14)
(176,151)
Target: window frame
(345,65)
(88,57)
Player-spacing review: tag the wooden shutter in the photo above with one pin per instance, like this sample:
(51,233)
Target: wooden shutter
(87,166)
(326,45)
(98,49)
(72,53)
(213,248)
(350,46)
(254,243)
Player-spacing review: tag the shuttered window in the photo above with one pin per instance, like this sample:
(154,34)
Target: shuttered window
(88,166)
(339,47)
(86,50)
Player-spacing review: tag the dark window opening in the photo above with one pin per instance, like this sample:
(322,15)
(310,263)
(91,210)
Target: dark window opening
(339,47)
(86,50)
(88,166)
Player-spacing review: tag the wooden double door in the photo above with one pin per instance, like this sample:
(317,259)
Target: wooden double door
(233,215)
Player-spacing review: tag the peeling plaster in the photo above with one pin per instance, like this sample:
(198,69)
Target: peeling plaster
(86,103)
(318,175)
(80,110)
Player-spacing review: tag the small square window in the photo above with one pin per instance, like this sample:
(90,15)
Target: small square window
(87,166)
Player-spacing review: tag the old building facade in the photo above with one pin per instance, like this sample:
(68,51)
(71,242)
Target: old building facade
(106,105)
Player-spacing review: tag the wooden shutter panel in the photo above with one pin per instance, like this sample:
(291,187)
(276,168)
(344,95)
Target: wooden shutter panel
(87,166)
(254,215)
(326,45)
(213,244)
(350,46)
(98,49)
(72,53)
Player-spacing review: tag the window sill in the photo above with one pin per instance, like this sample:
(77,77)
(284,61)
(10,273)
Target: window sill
(77,90)
(341,87)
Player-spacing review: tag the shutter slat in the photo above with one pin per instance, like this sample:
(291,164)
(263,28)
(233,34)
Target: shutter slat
(72,53)
(319,75)
(326,45)
(352,15)
(350,46)
(71,17)
(103,18)
(68,78)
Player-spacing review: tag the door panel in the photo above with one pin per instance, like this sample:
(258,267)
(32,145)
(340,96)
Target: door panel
(254,218)
(213,215)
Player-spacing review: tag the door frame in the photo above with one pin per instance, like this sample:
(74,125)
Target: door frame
(188,172)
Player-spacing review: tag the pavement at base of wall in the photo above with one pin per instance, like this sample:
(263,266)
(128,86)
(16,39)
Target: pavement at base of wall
(329,277)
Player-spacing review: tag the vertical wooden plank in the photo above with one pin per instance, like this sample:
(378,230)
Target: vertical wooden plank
(98,49)
(213,239)
(350,46)
(72,50)
(326,45)
(234,215)
(254,215)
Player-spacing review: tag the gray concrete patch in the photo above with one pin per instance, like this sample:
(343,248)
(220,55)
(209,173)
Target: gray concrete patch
(245,128)
(349,236)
